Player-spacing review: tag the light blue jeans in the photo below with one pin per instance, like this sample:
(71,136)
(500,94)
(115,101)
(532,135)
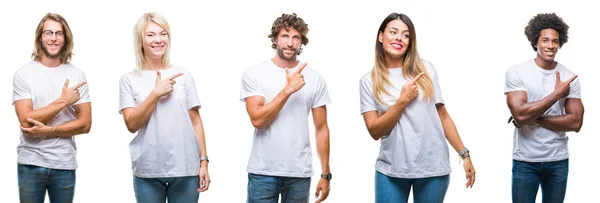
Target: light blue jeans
(175,189)
(266,189)
(426,190)
(35,180)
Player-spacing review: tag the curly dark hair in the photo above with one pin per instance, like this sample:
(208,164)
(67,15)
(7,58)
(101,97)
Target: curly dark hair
(546,20)
(287,21)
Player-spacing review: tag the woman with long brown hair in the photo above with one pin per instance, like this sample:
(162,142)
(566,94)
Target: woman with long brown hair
(402,106)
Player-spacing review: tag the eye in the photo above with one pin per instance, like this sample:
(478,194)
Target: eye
(60,33)
(163,34)
(393,32)
(150,35)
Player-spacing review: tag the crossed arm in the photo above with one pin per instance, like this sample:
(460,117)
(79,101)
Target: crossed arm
(532,112)
(34,122)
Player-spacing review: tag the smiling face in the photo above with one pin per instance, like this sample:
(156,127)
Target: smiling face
(53,39)
(155,42)
(548,44)
(395,38)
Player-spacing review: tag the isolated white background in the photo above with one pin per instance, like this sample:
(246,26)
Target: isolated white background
(471,43)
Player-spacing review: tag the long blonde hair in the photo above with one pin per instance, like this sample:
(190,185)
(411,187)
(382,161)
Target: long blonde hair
(67,50)
(412,65)
(138,36)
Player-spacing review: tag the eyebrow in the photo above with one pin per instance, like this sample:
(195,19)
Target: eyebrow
(399,29)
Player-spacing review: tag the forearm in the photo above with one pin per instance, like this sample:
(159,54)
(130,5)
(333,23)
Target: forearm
(265,114)
(71,128)
(452,134)
(141,114)
(44,114)
(562,123)
(322,139)
(529,112)
(384,124)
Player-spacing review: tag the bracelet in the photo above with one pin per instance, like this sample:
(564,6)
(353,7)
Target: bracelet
(463,152)
(203,158)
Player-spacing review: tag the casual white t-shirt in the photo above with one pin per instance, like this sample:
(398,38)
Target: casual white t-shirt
(43,86)
(534,143)
(416,147)
(283,147)
(167,145)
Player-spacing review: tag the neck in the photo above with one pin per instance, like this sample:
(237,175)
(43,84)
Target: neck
(392,62)
(544,64)
(154,64)
(283,63)
(50,62)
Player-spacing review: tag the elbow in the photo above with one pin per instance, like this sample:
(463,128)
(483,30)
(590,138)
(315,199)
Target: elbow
(131,128)
(86,128)
(375,135)
(258,124)
(577,125)
(522,120)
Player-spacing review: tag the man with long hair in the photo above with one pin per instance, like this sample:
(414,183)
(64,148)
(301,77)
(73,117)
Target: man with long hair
(52,103)
(545,102)
(279,93)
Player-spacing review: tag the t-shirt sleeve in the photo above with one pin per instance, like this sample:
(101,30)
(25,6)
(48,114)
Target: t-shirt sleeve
(437,91)
(367,100)
(322,94)
(21,89)
(84,96)
(575,89)
(514,82)
(191,92)
(125,94)
(250,86)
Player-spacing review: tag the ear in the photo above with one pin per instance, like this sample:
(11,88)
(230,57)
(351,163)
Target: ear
(380,37)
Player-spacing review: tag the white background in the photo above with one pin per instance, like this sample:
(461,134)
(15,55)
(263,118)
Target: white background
(471,44)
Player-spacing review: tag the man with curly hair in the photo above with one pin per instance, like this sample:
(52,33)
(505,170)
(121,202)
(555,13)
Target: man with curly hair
(545,102)
(279,94)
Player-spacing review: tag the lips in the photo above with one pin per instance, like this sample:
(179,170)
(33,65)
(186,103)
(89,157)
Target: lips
(397,46)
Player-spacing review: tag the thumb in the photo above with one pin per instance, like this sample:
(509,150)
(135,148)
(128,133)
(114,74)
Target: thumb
(287,71)
(66,84)
(317,193)
(158,76)
(557,76)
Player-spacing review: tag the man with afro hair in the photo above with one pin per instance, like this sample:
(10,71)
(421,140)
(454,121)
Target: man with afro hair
(545,102)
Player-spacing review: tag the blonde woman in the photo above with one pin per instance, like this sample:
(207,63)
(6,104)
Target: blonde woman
(402,106)
(168,153)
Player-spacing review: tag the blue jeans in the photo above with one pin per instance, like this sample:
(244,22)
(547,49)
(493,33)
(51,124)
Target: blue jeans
(426,190)
(528,176)
(175,189)
(34,180)
(266,189)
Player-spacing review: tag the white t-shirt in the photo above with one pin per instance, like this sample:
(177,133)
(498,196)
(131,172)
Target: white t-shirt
(43,86)
(167,145)
(283,147)
(533,143)
(416,147)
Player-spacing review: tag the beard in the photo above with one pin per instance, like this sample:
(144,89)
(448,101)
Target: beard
(282,55)
(50,55)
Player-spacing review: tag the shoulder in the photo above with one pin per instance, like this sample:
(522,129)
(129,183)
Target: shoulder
(27,67)
(429,66)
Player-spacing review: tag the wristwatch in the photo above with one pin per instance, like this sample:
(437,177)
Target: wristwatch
(326,176)
(204,158)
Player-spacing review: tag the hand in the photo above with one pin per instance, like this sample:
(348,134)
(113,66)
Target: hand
(71,95)
(204,179)
(511,119)
(322,190)
(38,130)
(295,81)
(164,87)
(469,172)
(409,89)
(562,88)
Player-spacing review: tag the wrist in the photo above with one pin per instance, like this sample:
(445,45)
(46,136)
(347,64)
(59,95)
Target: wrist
(464,153)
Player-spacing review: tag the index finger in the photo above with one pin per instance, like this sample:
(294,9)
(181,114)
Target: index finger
(301,67)
(414,80)
(78,85)
(174,76)
(572,78)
